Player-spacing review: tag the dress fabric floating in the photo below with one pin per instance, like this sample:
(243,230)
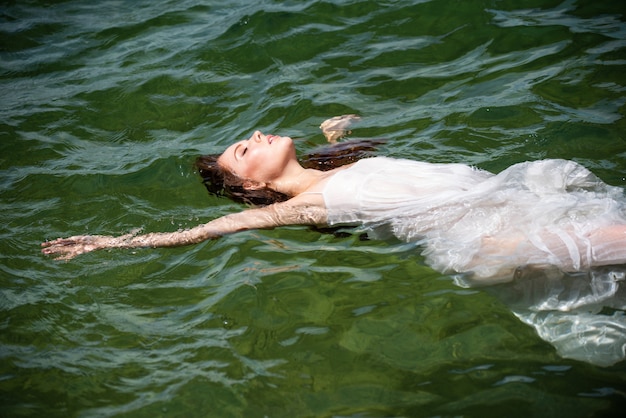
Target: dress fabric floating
(484,228)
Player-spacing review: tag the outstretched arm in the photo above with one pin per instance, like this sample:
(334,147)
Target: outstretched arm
(279,214)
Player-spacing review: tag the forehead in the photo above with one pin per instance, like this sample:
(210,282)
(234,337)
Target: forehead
(227,159)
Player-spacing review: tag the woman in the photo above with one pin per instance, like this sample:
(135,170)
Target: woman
(550,212)
(543,216)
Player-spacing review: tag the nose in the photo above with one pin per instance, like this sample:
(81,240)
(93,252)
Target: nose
(256,136)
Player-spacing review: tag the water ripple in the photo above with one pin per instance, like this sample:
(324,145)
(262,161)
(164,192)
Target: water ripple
(106,104)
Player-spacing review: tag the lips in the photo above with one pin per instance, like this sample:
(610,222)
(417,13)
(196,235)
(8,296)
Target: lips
(270,138)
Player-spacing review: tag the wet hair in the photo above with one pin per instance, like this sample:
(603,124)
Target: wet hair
(222,182)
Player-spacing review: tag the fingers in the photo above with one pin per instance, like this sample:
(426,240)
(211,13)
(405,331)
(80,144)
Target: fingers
(75,240)
(64,248)
(59,256)
(65,252)
(60,252)
(339,122)
(337,127)
(59,242)
(67,248)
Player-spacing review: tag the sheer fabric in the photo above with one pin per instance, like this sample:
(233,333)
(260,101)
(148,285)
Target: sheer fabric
(542,216)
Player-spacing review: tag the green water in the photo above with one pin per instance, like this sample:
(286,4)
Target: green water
(104,106)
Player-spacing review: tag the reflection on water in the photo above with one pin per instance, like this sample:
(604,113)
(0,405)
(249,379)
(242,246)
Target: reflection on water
(581,314)
(104,107)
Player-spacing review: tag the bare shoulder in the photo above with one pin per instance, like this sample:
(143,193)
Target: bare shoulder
(320,184)
(308,207)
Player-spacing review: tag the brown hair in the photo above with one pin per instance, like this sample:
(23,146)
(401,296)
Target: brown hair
(221,182)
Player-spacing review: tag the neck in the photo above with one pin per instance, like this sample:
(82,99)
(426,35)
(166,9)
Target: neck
(297,180)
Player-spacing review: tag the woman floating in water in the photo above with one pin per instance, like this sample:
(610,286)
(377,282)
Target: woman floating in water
(483,227)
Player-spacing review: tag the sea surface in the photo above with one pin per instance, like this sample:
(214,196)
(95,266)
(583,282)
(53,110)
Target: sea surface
(105,104)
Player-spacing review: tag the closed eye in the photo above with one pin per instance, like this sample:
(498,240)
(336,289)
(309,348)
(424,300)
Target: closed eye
(240,151)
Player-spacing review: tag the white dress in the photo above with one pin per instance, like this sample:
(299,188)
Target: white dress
(488,229)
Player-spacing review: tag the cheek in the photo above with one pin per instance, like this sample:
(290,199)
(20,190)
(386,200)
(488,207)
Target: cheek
(265,164)
(257,166)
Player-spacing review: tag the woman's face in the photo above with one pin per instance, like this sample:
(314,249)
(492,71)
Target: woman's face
(261,158)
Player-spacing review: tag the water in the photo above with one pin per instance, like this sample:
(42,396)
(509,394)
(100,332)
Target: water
(104,107)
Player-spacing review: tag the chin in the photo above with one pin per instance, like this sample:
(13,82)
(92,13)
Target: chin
(286,139)
(287,143)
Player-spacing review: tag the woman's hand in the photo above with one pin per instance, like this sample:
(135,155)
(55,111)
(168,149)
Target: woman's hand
(338,127)
(68,248)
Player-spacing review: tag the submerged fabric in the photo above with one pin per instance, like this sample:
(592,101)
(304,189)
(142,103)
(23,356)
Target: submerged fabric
(488,228)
